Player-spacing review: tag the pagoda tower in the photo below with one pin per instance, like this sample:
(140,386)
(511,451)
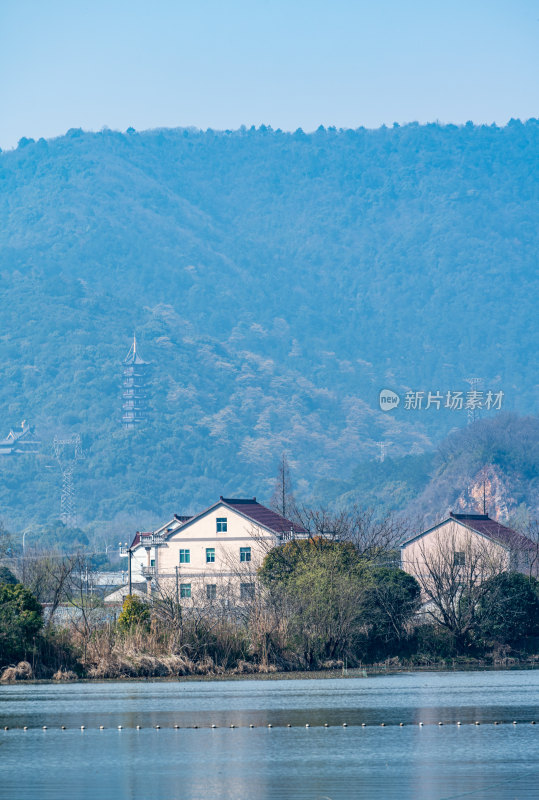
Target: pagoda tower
(135,395)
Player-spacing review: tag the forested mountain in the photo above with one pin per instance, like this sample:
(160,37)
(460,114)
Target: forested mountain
(491,465)
(277,282)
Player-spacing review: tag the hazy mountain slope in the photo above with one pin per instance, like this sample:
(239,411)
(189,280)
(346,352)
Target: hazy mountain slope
(491,464)
(276,281)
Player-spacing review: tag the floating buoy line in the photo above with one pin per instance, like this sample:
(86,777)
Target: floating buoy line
(271,725)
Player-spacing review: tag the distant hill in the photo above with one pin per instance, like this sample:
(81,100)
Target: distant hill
(276,282)
(490,465)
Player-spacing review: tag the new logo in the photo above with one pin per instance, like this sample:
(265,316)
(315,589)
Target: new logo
(388,400)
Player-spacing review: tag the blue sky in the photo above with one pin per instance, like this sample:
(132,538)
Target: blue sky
(66,63)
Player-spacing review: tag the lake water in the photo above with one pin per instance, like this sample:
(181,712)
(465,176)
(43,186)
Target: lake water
(428,762)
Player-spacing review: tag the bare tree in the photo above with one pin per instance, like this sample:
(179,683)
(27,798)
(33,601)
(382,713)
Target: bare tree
(88,604)
(375,537)
(282,499)
(205,624)
(7,544)
(48,575)
(167,604)
(526,557)
(453,572)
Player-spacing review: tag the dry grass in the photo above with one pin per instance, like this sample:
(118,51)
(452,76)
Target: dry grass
(160,652)
(22,672)
(65,675)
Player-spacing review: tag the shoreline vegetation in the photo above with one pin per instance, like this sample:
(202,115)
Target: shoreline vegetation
(314,605)
(23,672)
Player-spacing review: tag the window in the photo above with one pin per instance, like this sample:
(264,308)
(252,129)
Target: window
(152,562)
(210,555)
(459,559)
(245,553)
(247,591)
(211,591)
(185,590)
(185,556)
(221,524)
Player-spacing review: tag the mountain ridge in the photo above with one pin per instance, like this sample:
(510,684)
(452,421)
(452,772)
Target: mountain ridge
(276,281)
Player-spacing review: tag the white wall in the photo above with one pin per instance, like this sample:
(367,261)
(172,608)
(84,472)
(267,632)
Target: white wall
(201,534)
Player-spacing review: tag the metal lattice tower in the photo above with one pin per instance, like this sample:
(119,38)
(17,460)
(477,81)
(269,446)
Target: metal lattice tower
(383,450)
(68,452)
(475,382)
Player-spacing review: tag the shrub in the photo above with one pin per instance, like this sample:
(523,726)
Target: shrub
(135,613)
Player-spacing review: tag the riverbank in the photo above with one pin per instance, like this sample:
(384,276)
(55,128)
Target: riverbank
(372,670)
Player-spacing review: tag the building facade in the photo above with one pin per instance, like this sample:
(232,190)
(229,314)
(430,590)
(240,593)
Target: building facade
(468,544)
(213,554)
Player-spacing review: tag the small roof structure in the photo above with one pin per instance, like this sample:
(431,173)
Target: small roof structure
(20,440)
(140,536)
(485,526)
(119,594)
(133,357)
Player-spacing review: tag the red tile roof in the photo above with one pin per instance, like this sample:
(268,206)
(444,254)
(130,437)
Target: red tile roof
(262,515)
(138,536)
(507,537)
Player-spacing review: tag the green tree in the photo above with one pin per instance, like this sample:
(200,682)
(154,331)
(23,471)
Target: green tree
(509,609)
(134,613)
(325,600)
(21,619)
(334,603)
(317,586)
(393,598)
(6,576)
(283,562)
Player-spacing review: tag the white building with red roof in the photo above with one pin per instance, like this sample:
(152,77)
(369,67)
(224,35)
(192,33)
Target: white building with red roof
(212,553)
(464,542)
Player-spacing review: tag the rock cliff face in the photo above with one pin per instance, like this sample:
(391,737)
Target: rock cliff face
(489,492)
(490,464)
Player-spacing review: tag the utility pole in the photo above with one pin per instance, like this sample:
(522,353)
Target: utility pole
(125,550)
(178,604)
(283,484)
(24,554)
